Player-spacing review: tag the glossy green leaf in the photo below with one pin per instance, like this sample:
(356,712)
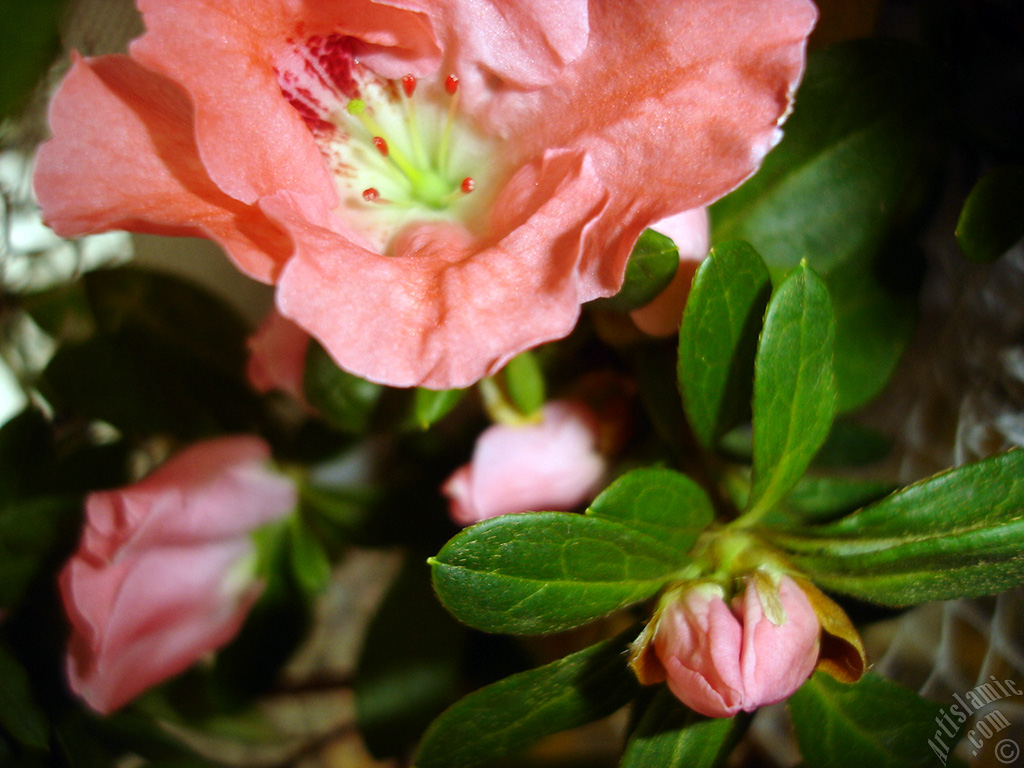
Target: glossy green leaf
(512,714)
(957,534)
(346,400)
(20,715)
(992,219)
(671,736)
(650,269)
(541,572)
(794,386)
(524,382)
(430,406)
(404,678)
(872,722)
(657,502)
(718,339)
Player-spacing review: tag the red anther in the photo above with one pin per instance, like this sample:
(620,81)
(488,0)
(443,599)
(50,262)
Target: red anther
(371,195)
(409,85)
(451,84)
(468,185)
(381,145)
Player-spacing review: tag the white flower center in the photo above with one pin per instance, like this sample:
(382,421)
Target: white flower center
(399,152)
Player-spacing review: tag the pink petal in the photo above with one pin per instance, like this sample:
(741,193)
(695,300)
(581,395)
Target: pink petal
(252,141)
(445,311)
(138,168)
(277,356)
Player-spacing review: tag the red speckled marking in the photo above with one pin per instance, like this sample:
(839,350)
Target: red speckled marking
(317,76)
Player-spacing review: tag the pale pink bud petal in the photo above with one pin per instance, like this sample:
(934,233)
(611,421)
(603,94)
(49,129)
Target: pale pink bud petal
(277,356)
(553,464)
(718,661)
(164,573)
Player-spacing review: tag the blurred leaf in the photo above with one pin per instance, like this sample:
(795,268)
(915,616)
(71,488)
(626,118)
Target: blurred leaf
(794,387)
(166,357)
(430,406)
(671,736)
(20,716)
(718,339)
(650,269)
(525,383)
(35,534)
(820,499)
(657,502)
(347,401)
(957,534)
(409,666)
(992,219)
(850,444)
(848,172)
(28,39)
(829,192)
(540,572)
(26,456)
(309,560)
(512,714)
(872,722)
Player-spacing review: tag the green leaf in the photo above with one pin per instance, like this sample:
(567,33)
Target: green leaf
(309,560)
(35,534)
(27,456)
(430,406)
(847,175)
(29,40)
(20,716)
(794,387)
(524,382)
(405,678)
(346,400)
(718,339)
(957,534)
(512,714)
(657,502)
(650,269)
(541,572)
(852,151)
(872,722)
(992,219)
(820,499)
(671,736)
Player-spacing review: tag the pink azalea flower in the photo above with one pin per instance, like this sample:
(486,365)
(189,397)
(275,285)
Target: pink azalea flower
(277,357)
(424,229)
(691,232)
(719,660)
(551,465)
(164,572)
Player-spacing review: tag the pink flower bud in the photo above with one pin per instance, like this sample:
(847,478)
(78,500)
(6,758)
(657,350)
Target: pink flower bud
(551,465)
(719,660)
(165,572)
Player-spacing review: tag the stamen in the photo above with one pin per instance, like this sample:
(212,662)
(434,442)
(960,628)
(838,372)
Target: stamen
(381,145)
(451,85)
(468,185)
(371,195)
(357,108)
(409,85)
(411,126)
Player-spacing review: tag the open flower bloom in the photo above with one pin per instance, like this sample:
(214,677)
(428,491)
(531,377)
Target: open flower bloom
(551,465)
(165,570)
(718,660)
(433,187)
